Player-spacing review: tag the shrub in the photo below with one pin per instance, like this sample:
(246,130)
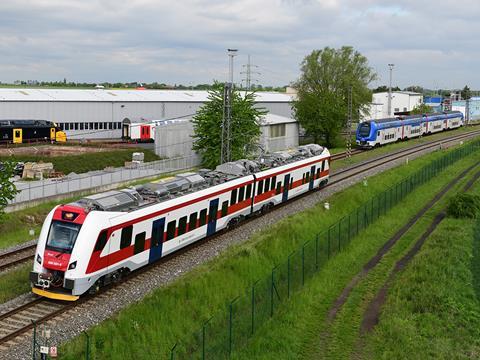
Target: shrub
(464,206)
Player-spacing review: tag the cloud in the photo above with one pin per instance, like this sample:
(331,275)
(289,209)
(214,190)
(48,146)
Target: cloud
(186,41)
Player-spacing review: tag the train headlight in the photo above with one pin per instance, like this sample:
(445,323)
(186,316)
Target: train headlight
(72,266)
(39,259)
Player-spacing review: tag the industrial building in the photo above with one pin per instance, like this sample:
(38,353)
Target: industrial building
(402,101)
(174,137)
(98,114)
(473,108)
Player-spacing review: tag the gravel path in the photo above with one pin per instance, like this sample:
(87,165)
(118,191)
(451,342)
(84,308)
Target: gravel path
(81,318)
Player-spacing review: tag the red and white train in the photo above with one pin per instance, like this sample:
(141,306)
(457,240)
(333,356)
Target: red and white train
(96,240)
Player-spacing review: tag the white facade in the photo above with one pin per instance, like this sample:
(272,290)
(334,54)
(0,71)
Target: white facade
(401,101)
(174,138)
(99,113)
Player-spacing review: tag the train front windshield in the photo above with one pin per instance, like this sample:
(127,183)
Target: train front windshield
(62,236)
(364,130)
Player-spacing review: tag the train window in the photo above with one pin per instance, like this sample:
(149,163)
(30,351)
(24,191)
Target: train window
(267,185)
(224,208)
(241,194)
(291,184)
(260,187)
(81,126)
(203,217)
(303,178)
(307,177)
(233,197)
(182,225)
(139,243)
(274,180)
(318,173)
(192,221)
(279,188)
(126,237)
(248,193)
(101,241)
(323,165)
(171,227)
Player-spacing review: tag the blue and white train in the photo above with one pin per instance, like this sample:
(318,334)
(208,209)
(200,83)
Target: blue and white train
(378,132)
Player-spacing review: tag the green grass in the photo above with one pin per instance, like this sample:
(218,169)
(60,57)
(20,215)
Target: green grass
(171,313)
(86,162)
(433,309)
(14,283)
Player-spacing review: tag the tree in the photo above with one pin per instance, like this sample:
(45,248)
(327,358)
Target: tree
(7,187)
(421,109)
(466,93)
(414,88)
(323,87)
(245,126)
(384,88)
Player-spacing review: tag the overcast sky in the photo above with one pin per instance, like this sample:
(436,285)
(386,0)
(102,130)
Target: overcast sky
(432,44)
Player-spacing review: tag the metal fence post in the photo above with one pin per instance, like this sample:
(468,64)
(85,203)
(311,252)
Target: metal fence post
(172,352)
(230,326)
(328,244)
(204,330)
(253,306)
(339,236)
(288,273)
(303,264)
(34,344)
(316,251)
(271,291)
(349,234)
(87,352)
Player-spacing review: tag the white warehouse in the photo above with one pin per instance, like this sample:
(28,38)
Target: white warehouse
(99,113)
(402,101)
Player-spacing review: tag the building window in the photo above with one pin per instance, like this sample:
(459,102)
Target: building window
(100,126)
(110,126)
(396,110)
(67,126)
(96,126)
(81,126)
(277,130)
(91,126)
(76,126)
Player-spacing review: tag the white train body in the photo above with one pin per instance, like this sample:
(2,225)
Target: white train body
(384,131)
(94,241)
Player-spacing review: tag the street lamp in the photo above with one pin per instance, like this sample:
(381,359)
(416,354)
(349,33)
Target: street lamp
(231,54)
(390,67)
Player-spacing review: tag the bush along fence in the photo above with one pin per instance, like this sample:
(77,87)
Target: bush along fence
(230,329)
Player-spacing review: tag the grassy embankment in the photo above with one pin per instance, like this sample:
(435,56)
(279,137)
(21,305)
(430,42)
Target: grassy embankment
(85,162)
(302,329)
(173,312)
(433,309)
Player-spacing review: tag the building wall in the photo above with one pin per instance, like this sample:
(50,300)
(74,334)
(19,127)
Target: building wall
(271,144)
(400,102)
(109,112)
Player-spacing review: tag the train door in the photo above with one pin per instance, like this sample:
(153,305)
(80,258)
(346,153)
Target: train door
(125,131)
(52,134)
(286,185)
(17,136)
(312,177)
(212,217)
(156,241)
(144,132)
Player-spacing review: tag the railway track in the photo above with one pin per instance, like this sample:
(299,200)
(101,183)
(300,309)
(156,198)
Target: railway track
(17,321)
(16,257)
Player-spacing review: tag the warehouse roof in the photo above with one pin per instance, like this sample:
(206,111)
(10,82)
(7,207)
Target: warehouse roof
(272,119)
(102,95)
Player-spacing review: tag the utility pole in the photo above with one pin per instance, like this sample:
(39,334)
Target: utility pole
(467,112)
(248,73)
(390,66)
(349,124)
(225,155)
